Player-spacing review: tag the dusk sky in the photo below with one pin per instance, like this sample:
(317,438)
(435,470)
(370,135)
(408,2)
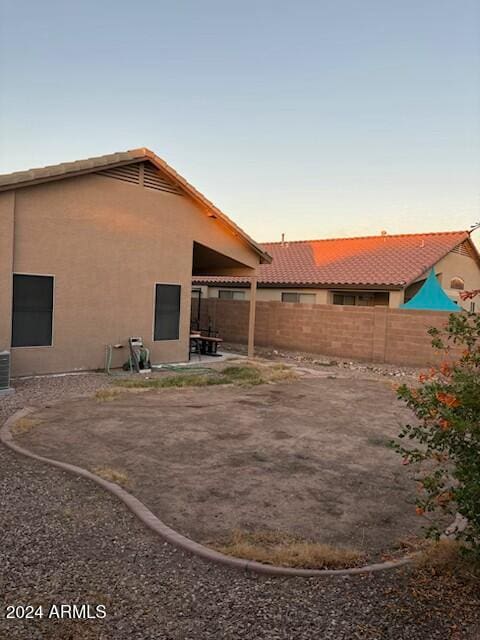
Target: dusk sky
(313,118)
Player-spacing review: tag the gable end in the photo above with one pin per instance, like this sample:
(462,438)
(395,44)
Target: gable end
(126,173)
(465,249)
(154,179)
(142,173)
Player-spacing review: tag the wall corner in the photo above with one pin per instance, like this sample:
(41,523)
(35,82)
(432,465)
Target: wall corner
(7,208)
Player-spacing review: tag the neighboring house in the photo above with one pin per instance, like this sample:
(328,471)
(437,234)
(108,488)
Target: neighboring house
(95,251)
(376,270)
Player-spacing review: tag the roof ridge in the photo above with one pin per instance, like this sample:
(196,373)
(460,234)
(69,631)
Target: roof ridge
(389,235)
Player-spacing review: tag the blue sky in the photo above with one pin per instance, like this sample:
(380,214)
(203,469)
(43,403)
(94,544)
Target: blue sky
(313,118)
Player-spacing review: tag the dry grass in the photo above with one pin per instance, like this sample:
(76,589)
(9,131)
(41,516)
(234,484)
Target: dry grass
(24,425)
(278,372)
(287,551)
(245,375)
(254,374)
(112,475)
(107,395)
(446,557)
(177,380)
(443,583)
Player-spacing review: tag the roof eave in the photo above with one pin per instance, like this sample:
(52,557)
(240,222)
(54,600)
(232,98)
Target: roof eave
(262,284)
(60,172)
(66,174)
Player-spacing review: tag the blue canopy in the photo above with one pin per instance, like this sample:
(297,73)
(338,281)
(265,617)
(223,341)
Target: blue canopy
(431,297)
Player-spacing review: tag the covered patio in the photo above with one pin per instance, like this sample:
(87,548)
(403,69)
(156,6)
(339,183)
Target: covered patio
(208,262)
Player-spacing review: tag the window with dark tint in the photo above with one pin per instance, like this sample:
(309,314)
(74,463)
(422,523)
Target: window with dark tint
(32,311)
(290,297)
(457,283)
(304,298)
(340,298)
(167,312)
(223,294)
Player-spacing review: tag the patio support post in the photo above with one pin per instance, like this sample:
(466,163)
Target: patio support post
(251,316)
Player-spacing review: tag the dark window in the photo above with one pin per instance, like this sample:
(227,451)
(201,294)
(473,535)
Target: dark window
(167,311)
(231,295)
(290,297)
(304,298)
(32,311)
(382,298)
(340,298)
(363,300)
(457,283)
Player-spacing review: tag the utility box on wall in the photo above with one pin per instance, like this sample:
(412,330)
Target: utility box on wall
(5,373)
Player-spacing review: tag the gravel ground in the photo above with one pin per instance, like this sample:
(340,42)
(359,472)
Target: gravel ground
(40,391)
(348,368)
(63,540)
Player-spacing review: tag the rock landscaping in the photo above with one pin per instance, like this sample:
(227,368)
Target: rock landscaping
(64,540)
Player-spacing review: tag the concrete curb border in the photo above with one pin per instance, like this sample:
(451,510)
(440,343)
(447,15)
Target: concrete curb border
(175,538)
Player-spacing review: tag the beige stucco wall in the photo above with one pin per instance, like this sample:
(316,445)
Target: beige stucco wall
(457,265)
(266,295)
(396,298)
(107,243)
(7,204)
(322,296)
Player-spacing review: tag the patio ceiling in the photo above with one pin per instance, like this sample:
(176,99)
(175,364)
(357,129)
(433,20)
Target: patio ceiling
(208,262)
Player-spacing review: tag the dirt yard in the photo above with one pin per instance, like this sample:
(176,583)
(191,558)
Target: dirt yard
(307,457)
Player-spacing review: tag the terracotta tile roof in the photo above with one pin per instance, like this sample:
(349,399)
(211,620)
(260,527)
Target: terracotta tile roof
(66,169)
(383,261)
(21,179)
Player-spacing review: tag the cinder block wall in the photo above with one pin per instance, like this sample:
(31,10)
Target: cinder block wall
(375,334)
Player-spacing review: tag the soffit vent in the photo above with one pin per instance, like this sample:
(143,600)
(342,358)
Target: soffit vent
(126,173)
(153,179)
(464,249)
(142,172)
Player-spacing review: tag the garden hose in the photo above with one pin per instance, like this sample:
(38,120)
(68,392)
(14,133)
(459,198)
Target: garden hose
(183,367)
(108,359)
(158,367)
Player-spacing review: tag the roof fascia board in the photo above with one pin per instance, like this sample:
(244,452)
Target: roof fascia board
(300,285)
(207,205)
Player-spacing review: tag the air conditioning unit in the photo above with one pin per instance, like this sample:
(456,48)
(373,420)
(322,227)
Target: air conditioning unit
(5,372)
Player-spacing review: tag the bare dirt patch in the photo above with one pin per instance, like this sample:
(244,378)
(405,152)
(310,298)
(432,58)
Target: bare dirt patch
(305,457)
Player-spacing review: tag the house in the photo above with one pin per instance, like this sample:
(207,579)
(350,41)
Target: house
(98,250)
(376,270)
(431,297)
